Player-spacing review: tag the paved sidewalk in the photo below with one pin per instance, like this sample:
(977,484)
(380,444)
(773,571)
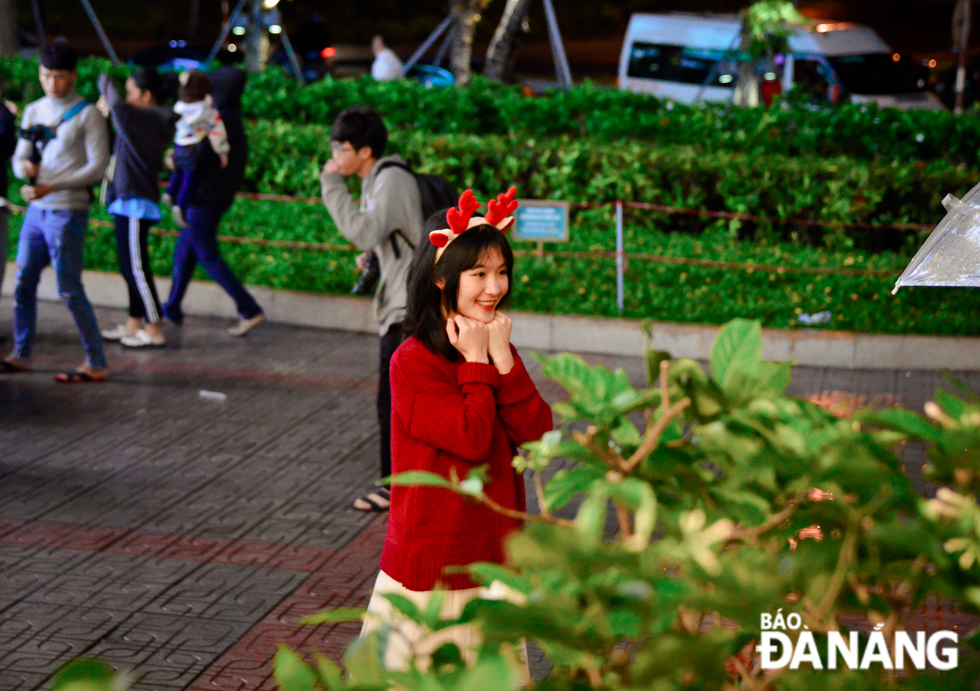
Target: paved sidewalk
(182,536)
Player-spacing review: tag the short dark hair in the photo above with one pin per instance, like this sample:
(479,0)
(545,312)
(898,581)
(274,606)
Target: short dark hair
(423,315)
(194,86)
(148,79)
(361,126)
(59,56)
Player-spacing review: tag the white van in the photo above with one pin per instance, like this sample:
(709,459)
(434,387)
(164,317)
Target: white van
(686,57)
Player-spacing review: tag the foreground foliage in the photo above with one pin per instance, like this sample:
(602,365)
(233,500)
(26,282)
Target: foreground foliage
(730,501)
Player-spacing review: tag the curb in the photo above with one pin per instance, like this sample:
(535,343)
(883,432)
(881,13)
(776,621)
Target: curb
(544,332)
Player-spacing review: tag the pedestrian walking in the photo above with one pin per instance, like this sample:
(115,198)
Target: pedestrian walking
(212,195)
(64,154)
(461,398)
(144,131)
(8,142)
(388,222)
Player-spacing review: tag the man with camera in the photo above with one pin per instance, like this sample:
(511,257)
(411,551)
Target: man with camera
(63,152)
(389,223)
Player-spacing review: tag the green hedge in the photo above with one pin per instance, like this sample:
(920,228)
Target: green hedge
(594,113)
(285,158)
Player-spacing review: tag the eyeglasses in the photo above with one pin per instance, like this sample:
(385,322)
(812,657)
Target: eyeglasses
(339,150)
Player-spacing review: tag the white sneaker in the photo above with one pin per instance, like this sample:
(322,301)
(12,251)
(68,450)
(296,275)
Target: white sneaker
(246,325)
(141,339)
(117,334)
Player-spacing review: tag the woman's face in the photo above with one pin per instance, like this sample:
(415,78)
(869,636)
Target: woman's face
(135,97)
(483,287)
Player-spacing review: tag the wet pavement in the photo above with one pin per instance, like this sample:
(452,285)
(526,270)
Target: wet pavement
(182,535)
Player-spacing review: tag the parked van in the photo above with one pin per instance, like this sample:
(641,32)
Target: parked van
(687,57)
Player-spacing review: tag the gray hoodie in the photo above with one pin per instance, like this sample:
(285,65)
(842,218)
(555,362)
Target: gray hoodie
(74,160)
(390,201)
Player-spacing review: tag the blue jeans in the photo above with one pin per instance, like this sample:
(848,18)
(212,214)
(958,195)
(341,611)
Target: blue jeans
(58,238)
(199,243)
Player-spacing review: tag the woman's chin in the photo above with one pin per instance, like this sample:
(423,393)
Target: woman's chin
(481,315)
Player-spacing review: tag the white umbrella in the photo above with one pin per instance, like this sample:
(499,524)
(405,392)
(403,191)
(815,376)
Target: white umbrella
(951,255)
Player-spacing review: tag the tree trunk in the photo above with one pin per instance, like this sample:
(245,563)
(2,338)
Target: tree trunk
(466,14)
(503,48)
(747,92)
(8,27)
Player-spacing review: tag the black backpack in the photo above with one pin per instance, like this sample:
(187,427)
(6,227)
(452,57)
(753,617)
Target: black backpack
(437,193)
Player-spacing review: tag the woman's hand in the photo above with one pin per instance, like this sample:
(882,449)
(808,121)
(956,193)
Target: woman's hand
(469,337)
(499,343)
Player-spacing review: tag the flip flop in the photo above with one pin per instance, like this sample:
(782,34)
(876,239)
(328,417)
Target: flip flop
(7,367)
(78,378)
(381,492)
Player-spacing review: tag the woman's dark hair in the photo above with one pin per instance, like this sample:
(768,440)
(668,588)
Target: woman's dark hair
(361,126)
(148,79)
(423,314)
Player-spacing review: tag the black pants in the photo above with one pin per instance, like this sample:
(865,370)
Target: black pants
(389,344)
(134,263)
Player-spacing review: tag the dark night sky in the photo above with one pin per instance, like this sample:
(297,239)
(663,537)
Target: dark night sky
(915,26)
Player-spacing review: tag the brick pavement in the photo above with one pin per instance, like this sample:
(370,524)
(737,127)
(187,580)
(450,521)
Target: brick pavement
(181,536)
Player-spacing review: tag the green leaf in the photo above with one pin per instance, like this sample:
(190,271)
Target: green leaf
(329,672)
(950,404)
(486,573)
(652,359)
(405,606)
(291,673)
(83,674)
(591,518)
(774,377)
(364,662)
(638,497)
(909,422)
(419,478)
(736,351)
(433,609)
(565,484)
(334,616)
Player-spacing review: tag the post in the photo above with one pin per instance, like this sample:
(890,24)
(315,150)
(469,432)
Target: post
(98,29)
(557,47)
(291,54)
(961,36)
(253,61)
(36,11)
(433,37)
(540,252)
(620,260)
(224,31)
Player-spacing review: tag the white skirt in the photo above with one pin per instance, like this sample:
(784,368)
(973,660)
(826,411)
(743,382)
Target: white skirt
(408,637)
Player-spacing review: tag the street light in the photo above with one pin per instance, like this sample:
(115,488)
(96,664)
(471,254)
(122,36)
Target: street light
(269,4)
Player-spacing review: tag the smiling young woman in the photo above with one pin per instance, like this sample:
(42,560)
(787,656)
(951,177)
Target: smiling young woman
(461,398)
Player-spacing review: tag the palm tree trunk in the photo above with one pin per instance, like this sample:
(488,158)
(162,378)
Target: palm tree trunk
(466,14)
(8,27)
(503,47)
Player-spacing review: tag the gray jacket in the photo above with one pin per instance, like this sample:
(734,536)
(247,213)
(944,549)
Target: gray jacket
(390,201)
(74,160)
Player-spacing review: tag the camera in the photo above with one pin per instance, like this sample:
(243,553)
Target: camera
(369,277)
(38,136)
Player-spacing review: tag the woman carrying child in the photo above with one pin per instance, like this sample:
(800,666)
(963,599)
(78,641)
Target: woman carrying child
(144,130)
(461,398)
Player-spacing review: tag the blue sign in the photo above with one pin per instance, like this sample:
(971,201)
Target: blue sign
(541,221)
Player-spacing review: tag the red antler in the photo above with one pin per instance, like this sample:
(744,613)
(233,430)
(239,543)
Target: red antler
(502,207)
(459,218)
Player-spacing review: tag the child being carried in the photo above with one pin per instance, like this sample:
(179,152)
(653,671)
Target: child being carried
(199,121)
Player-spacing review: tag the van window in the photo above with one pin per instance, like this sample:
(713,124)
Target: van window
(874,74)
(679,64)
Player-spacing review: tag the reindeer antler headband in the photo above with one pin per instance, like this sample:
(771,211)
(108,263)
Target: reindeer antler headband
(462,219)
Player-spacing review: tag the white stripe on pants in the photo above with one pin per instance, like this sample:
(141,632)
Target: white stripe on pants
(136,262)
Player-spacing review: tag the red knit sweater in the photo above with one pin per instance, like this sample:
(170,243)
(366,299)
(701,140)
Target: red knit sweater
(454,415)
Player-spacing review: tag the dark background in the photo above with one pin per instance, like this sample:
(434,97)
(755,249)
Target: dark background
(592,30)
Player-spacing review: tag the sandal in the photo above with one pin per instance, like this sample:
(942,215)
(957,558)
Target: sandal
(78,378)
(381,493)
(7,367)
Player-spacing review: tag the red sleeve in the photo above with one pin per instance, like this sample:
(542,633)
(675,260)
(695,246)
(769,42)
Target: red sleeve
(525,414)
(453,416)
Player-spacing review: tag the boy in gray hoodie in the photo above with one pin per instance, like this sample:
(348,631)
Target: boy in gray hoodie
(74,143)
(389,222)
